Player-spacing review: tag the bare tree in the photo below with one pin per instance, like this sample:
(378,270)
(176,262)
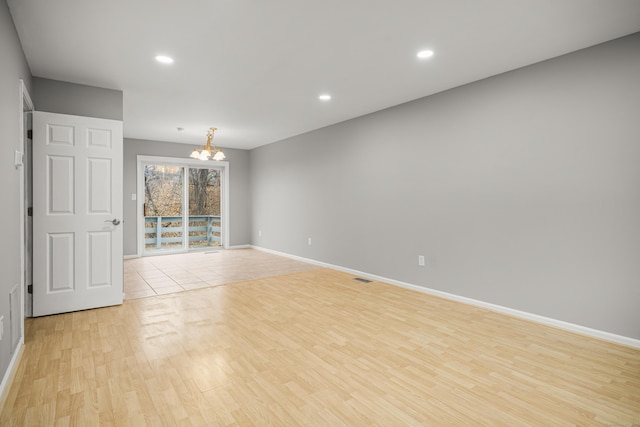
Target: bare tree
(198,197)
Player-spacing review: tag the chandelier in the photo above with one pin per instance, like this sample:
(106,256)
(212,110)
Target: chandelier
(208,150)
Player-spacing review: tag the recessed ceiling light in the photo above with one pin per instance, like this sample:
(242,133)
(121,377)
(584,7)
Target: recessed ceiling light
(424,54)
(164,59)
(324,97)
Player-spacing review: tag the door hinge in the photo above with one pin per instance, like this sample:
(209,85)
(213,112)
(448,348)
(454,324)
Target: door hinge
(30,134)
(29,211)
(30,289)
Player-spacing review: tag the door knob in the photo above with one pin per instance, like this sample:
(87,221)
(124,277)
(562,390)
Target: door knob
(114,221)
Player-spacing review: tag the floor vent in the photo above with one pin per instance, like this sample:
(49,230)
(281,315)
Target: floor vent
(360,279)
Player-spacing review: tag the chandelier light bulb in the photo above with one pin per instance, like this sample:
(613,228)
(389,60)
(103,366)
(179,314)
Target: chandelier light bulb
(208,149)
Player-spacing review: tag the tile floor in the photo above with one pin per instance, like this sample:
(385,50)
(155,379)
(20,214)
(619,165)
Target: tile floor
(165,274)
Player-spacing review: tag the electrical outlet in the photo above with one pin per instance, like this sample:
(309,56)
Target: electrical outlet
(134,196)
(309,241)
(259,233)
(1,327)
(421,260)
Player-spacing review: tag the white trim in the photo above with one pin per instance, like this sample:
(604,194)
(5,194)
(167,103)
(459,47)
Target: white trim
(224,209)
(9,373)
(240,247)
(139,208)
(131,256)
(582,330)
(25,104)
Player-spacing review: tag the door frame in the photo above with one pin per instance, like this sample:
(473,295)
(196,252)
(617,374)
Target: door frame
(25,106)
(179,161)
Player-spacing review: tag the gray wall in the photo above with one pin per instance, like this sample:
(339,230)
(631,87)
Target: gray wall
(521,190)
(55,96)
(13,68)
(239,195)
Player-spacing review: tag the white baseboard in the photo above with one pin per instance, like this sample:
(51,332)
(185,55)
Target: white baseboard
(130,256)
(239,247)
(8,375)
(583,330)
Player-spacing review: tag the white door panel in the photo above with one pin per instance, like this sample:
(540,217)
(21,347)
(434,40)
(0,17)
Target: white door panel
(77,193)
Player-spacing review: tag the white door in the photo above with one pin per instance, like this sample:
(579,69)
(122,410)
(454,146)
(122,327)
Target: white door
(77,209)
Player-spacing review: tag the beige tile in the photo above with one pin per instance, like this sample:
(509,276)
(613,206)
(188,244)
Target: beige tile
(135,285)
(139,294)
(209,276)
(198,271)
(161,283)
(183,280)
(146,268)
(228,271)
(155,274)
(173,271)
(169,290)
(238,277)
(195,270)
(197,285)
(218,282)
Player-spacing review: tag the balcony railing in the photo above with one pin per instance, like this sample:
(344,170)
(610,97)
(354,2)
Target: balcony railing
(162,232)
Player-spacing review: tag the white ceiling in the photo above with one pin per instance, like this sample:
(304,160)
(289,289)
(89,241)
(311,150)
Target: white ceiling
(254,69)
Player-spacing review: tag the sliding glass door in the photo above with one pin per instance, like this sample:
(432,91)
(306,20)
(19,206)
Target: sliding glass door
(163,207)
(204,208)
(182,207)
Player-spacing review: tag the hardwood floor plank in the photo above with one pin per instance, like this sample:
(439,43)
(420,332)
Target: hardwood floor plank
(314,348)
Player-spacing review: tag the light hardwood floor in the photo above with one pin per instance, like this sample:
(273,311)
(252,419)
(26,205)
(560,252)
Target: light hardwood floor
(314,348)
